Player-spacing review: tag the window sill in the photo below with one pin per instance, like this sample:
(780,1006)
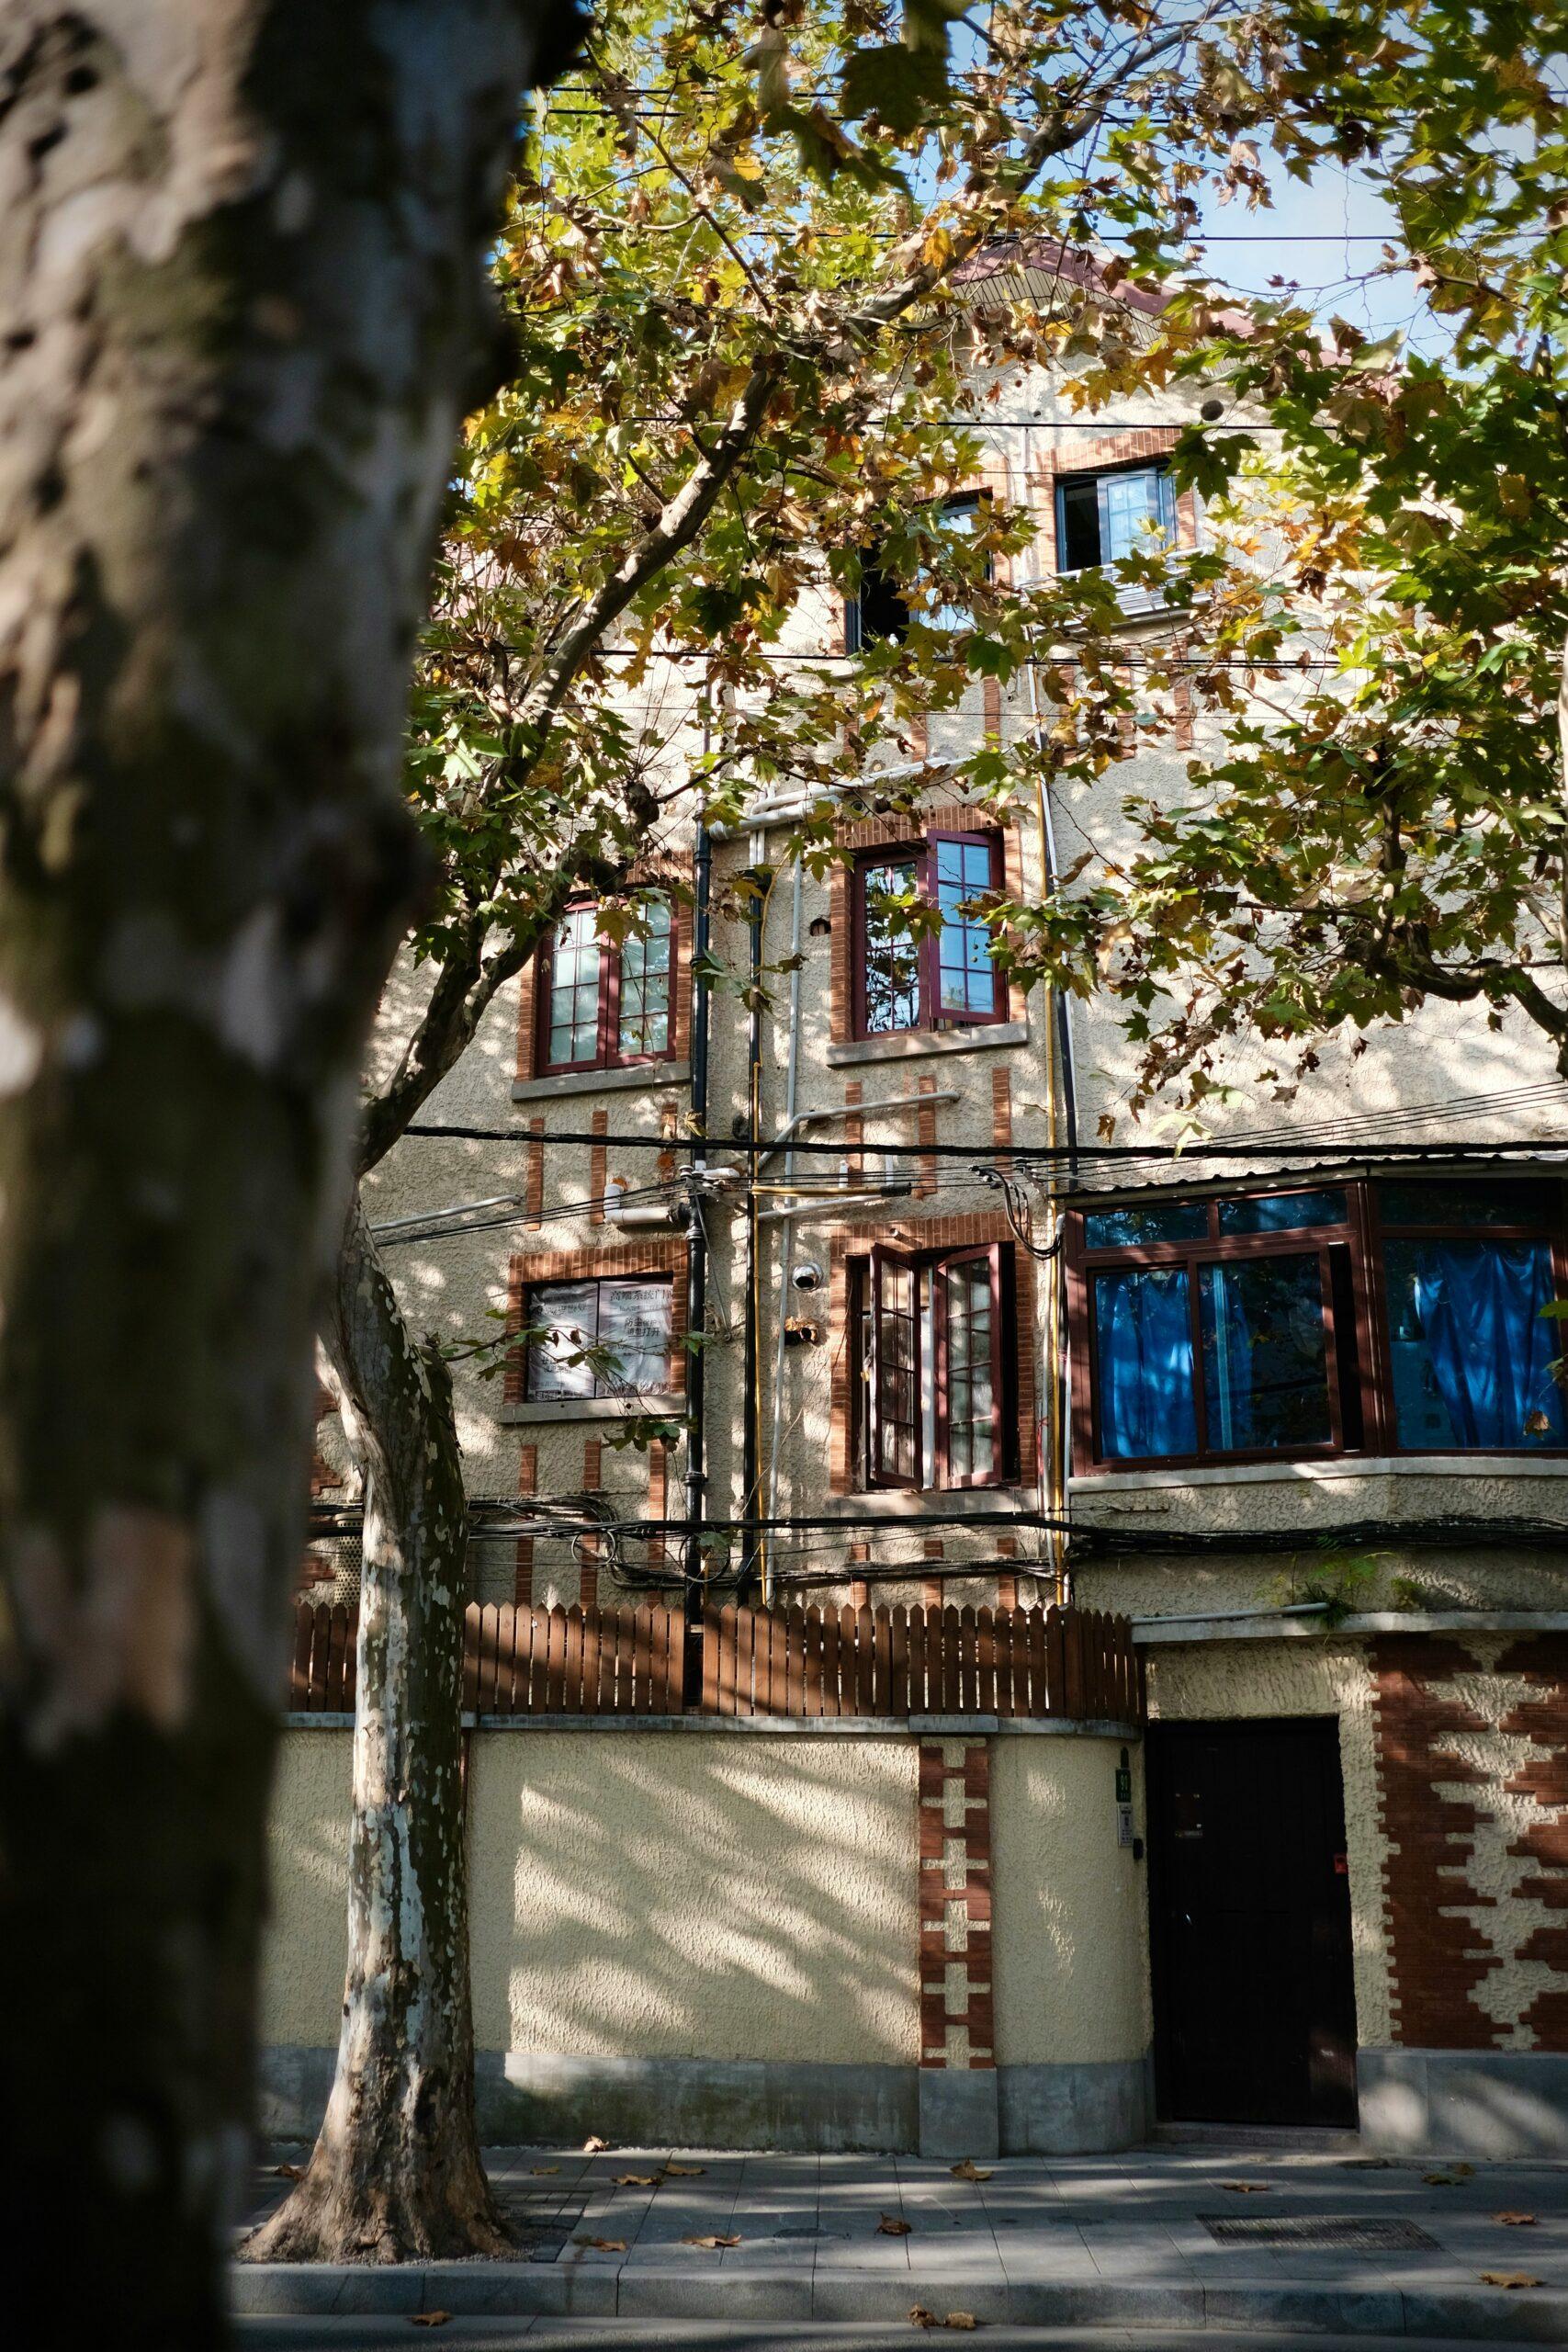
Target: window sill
(931,1502)
(1111,1482)
(907,1045)
(647,1075)
(590,1408)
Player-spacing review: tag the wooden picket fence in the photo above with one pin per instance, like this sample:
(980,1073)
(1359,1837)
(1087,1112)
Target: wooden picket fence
(1077,1664)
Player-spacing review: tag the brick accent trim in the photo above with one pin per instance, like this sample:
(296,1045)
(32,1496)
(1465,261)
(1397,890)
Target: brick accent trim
(528,1484)
(925,1137)
(657,1497)
(1449,1782)
(957,2032)
(1001,1112)
(654,1256)
(588,1547)
(533,1182)
(855,1131)
(598,1167)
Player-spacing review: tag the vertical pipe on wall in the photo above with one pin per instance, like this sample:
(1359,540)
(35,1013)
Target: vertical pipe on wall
(697,1238)
(786,1249)
(750,1467)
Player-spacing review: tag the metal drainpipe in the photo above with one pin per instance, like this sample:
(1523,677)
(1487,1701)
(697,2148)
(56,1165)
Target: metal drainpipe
(697,1248)
(786,1253)
(749,1465)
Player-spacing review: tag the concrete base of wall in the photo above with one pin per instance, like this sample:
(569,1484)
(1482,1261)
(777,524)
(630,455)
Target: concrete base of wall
(1464,2102)
(1075,2109)
(527,2097)
(535,2096)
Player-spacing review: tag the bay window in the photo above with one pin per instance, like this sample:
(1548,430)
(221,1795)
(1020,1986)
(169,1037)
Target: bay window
(604,1005)
(923,954)
(937,1396)
(1383,1317)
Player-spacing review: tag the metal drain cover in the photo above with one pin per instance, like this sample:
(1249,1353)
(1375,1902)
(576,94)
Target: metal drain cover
(1311,2229)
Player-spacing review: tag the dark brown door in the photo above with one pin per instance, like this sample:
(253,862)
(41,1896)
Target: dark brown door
(1254,2017)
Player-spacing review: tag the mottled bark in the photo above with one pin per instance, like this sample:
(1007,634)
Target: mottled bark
(242,308)
(395,2174)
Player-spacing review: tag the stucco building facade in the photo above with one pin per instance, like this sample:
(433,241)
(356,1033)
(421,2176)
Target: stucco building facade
(1290,1412)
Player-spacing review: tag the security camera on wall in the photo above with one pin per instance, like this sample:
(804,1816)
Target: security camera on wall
(806,1276)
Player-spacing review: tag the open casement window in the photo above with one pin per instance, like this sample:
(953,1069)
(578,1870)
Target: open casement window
(603,1006)
(1102,516)
(938,1401)
(1398,1316)
(946,977)
(895,1421)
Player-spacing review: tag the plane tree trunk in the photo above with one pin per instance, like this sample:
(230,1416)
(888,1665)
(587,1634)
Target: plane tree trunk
(395,2174)
(242,308)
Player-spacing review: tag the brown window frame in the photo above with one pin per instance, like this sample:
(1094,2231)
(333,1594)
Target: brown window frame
(600,1284)
(867,1316)
(606,1052)
(922,852)
(1360,1386)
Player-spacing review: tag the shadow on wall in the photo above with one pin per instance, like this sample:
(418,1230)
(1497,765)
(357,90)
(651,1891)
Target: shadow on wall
(684,1897)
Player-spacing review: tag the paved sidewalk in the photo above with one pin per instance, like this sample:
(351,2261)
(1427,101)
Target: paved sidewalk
(1151,2239)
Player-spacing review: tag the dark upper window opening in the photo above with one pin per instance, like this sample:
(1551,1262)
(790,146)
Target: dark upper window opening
(880,614)
(1104,515)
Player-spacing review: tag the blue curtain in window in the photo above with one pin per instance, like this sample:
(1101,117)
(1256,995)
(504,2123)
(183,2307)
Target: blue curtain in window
(1143,1349)
(1476,1308)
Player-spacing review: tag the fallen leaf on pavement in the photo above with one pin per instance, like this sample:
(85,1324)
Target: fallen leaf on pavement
(1508,2278)
(290,2172)
(1246,2188)
(890,2226)
(920,2317)
(969,2170)
(540,2171)
(1514,2221)
(684,2172)
(604,2245)
(961,2319)
(1441,2179)
(713,2241)
(1462,2172)
(429,2319)
(638,2179)
(593,2145)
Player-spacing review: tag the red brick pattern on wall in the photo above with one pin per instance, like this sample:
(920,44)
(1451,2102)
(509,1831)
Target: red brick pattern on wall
(1542,1717)
(598,1164)
(956,2029)
(528,1484)
(1447,1778)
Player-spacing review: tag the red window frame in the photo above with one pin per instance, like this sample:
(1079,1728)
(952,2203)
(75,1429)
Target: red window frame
(606,1054)
(921,852)
(872,1317)
(1356,1343)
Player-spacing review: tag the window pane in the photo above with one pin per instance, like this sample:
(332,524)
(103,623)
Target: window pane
(898,1374)
(634,1321)
(892,960)
(1078,518)
(1470,1348)
(1143,1334)
(1130,504)
(971,1396)
(967,979)
(570,1313)
(645,987)
(960,516)
(1283,1212)
(574,987)
(1130,1228)
(1265,1353)
(1527,1202)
